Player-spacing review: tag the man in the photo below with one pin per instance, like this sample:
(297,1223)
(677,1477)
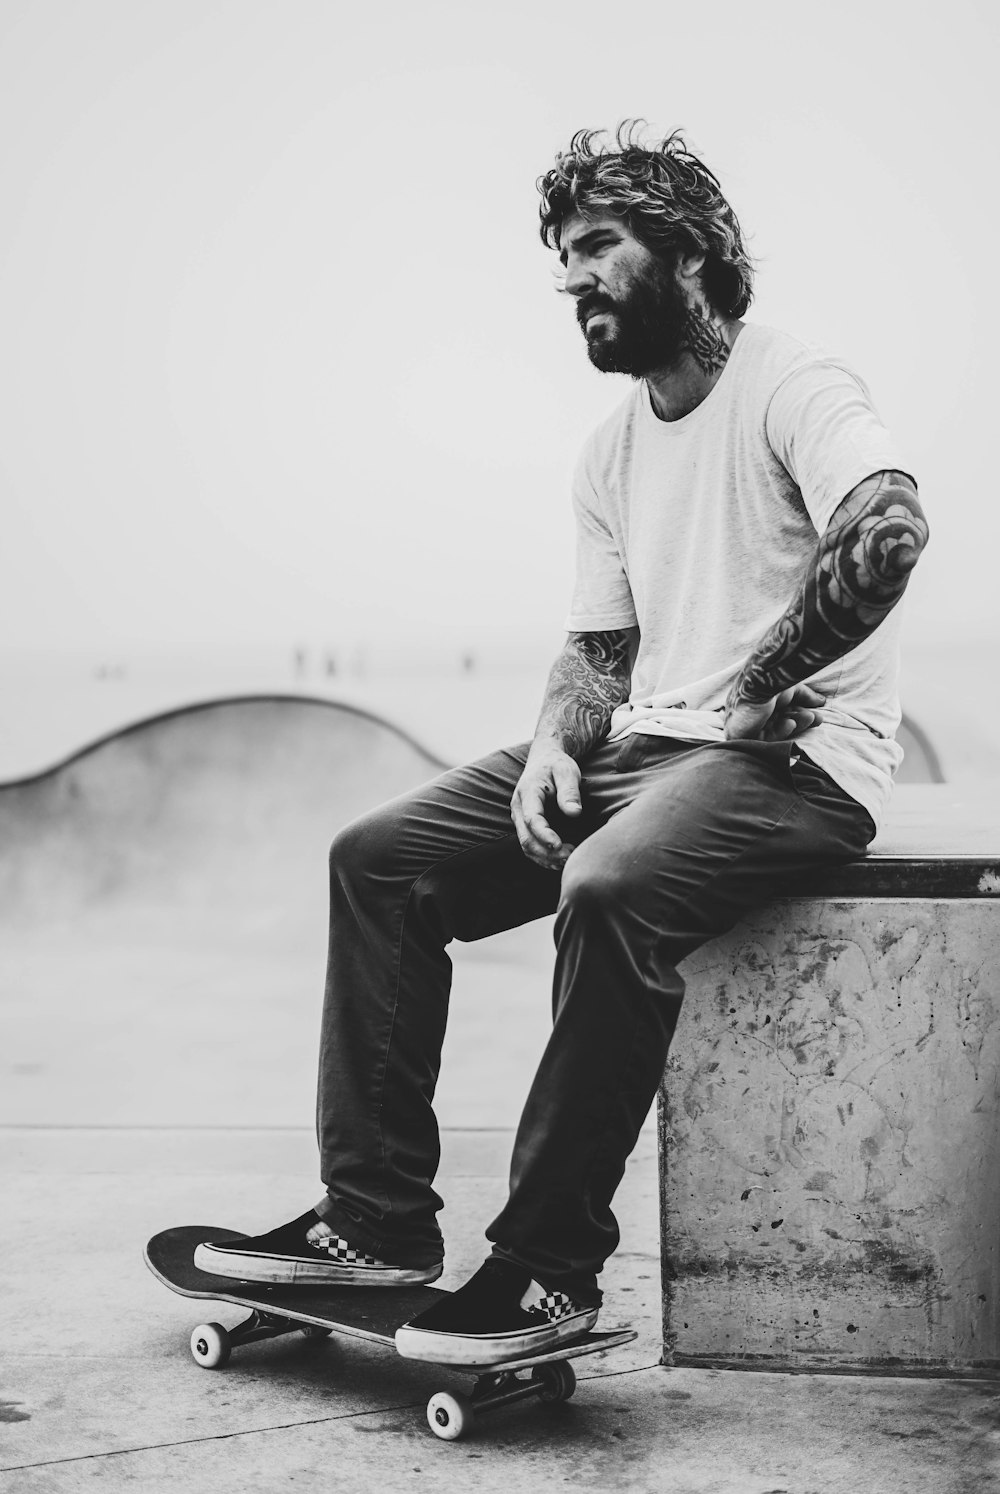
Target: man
(721,717)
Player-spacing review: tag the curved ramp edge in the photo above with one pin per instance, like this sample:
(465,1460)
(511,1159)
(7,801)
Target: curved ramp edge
(230,801)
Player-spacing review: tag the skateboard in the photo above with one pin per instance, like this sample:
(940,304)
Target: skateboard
(370,1313)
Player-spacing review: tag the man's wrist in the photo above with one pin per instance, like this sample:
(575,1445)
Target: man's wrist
(750,689)
(547,743)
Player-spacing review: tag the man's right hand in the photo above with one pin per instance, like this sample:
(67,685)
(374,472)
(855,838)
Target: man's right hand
(550,776)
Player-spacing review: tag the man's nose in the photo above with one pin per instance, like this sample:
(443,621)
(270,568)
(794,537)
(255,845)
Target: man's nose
(579,277)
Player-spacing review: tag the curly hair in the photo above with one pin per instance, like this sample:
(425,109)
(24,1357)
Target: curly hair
(667,197)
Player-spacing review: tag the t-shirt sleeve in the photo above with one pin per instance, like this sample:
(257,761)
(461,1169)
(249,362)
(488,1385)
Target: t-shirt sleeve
(823,428)
(602,597)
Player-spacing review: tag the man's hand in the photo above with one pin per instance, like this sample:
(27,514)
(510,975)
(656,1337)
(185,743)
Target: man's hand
(787,715)
(589,679)
(549,776)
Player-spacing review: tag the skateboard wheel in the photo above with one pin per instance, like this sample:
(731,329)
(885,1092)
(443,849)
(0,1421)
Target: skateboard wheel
(210,1346)
(558,1381)
(449,1416)
(315,1330)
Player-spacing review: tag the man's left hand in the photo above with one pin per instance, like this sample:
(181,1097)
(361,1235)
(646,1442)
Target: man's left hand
(785,716)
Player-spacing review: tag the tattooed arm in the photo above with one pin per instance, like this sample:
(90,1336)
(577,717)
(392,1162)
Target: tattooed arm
(856,577)
(588,680)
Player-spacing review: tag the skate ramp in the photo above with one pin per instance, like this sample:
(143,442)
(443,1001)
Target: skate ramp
(230,805)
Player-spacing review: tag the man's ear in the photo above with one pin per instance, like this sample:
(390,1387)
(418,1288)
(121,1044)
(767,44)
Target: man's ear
(689,265)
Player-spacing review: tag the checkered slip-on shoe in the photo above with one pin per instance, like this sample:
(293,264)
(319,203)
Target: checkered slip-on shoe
(286,1256)
(500,1314)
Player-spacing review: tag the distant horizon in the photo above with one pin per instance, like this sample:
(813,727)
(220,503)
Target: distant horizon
(430,644)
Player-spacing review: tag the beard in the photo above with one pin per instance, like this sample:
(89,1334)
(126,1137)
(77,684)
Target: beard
(644,329)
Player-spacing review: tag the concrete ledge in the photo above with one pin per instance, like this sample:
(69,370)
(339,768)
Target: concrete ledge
(830,1118)
(937,841)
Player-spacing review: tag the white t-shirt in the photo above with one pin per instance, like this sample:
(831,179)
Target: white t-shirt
(699,531)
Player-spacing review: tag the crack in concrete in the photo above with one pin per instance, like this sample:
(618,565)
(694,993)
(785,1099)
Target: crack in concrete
(283,1426)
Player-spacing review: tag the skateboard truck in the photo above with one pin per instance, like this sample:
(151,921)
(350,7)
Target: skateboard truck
(211,1344)
(449,1415)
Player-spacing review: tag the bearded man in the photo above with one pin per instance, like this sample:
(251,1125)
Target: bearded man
(720,718)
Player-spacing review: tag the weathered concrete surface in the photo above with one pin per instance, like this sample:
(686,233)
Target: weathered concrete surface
(831,1140)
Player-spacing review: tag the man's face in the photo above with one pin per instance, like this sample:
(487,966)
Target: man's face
(628,303)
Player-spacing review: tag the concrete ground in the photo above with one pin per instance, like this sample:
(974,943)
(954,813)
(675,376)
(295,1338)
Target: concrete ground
(158,1049)
(100,1391)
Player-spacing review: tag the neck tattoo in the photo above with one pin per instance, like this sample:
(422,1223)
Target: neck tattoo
(703,339)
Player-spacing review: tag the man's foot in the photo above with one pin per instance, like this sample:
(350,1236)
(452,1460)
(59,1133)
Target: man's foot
(501,1313)
(307,1251)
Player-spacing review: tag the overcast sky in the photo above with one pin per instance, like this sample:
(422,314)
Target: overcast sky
(281,355)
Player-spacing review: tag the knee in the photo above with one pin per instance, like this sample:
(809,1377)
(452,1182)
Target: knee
(360,848)
(591,883)
(626,889)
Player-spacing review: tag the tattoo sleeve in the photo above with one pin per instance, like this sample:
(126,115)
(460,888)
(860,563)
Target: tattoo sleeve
(589,679)
(856,577)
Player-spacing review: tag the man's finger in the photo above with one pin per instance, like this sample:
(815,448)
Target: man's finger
(551,856)
(541,831)
(533,829)
(805,719)
(792,724)
(797,696)
(567,785)
(528,801)
(533,847)
(807,695)
(780,728)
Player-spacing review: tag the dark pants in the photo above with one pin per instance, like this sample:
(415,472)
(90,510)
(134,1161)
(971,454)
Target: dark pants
(675,843)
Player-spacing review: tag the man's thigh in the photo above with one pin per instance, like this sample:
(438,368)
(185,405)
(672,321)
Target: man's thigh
(692,837)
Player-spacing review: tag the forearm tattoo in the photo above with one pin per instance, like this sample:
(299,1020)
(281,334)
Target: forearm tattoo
(856,577)
(589,679)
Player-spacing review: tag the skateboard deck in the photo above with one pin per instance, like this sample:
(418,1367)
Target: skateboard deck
(370,1313)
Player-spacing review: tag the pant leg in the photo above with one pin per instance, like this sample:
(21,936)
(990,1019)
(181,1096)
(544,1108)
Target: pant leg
(437,864)
(705,835)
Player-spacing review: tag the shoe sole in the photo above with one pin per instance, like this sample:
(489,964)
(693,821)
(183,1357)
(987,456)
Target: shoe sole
(279,1271)
(467,1348)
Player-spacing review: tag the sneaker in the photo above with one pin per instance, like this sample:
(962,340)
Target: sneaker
(304,1252)
(500,1314)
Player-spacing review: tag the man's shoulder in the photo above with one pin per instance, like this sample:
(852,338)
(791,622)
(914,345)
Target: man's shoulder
(772,354)
(779,367)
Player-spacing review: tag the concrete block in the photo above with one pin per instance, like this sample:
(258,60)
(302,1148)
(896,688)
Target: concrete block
(830,1136)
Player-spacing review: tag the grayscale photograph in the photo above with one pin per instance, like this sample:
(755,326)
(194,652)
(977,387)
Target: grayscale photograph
(499,748)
